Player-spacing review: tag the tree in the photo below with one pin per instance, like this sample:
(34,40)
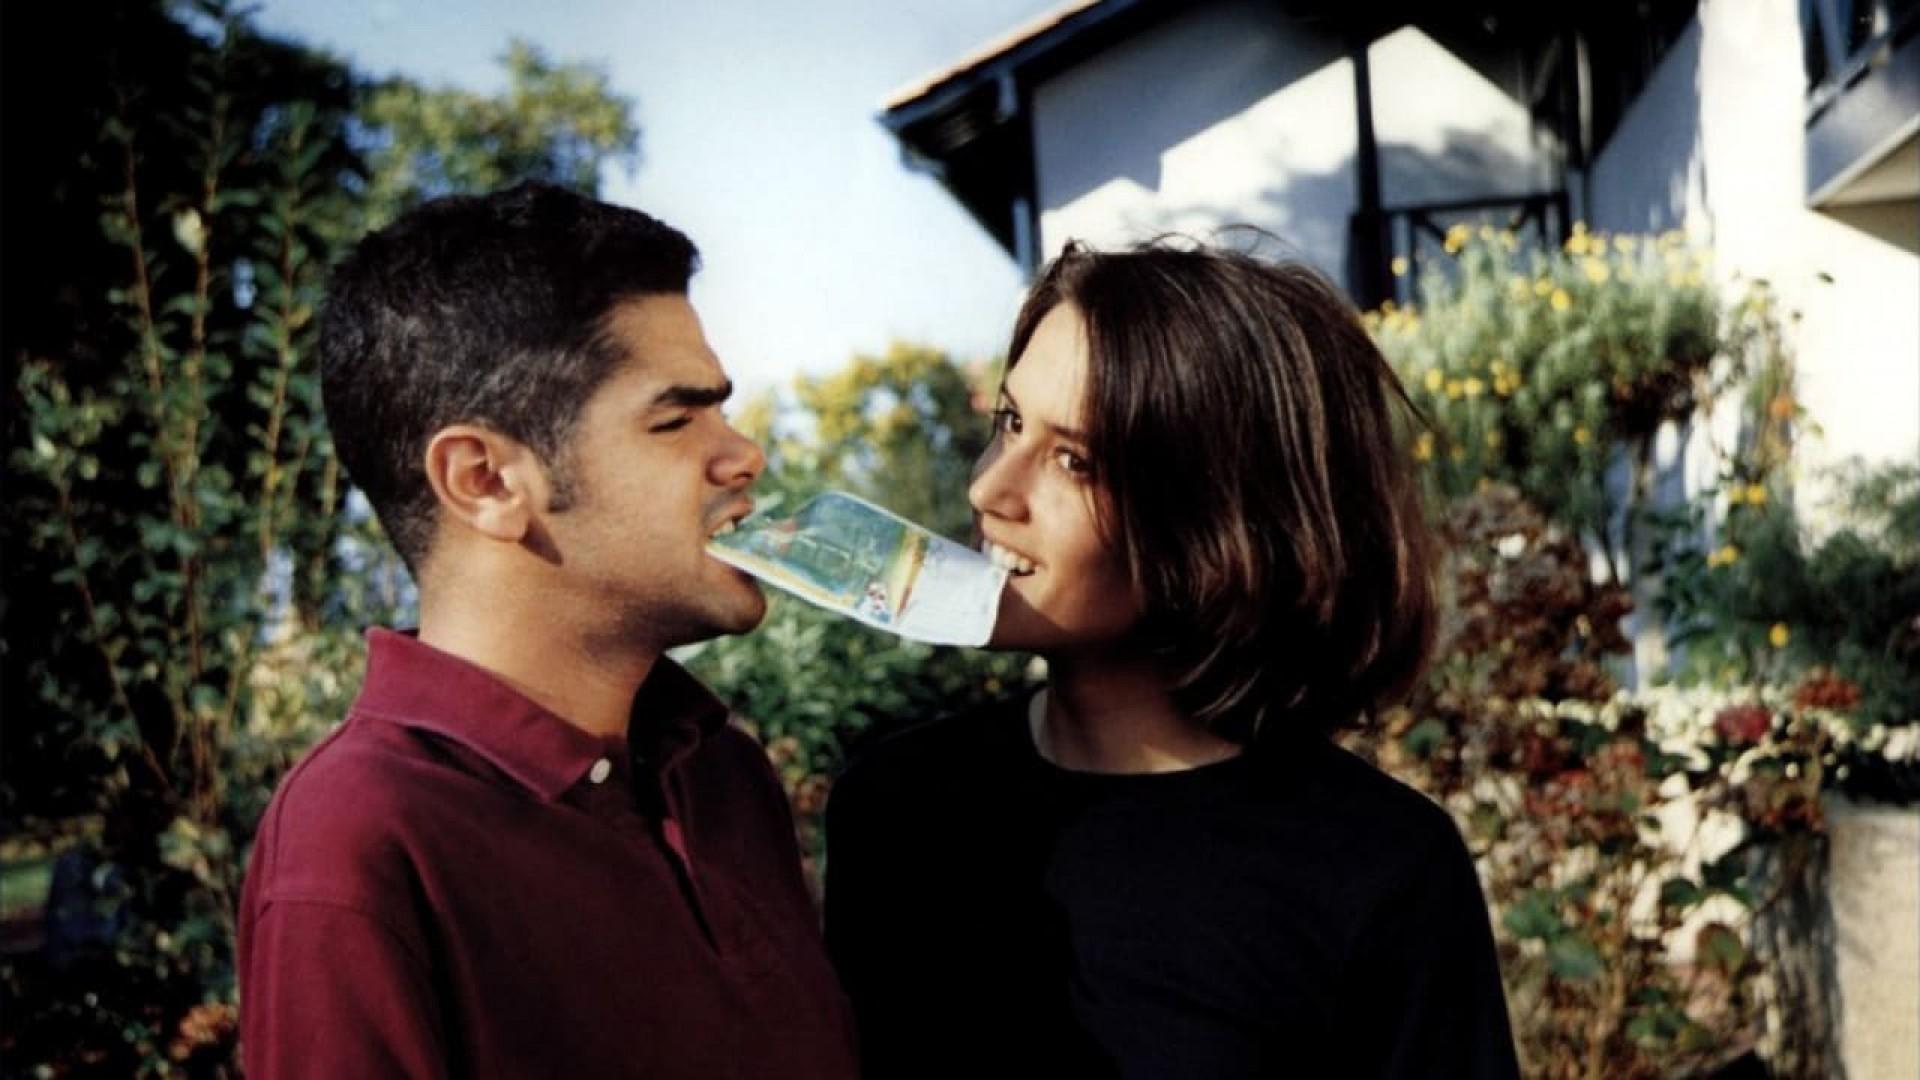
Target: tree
(558,123)
(186,585)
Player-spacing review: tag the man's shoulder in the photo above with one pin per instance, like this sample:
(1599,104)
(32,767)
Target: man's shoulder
(336,827)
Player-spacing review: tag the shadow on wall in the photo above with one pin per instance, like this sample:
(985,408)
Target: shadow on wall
(1896,222)
(1641,178)
(1132,89)
(1310,211)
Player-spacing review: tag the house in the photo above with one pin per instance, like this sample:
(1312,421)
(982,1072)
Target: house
(1782,134)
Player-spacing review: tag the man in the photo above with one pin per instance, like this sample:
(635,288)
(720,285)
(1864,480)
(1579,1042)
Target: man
(536,847)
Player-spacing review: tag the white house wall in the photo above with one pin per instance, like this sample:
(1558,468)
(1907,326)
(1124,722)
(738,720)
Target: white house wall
(1232,114)
(1716,146)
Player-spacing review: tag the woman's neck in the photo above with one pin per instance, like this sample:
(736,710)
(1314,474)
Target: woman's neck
(1114,715)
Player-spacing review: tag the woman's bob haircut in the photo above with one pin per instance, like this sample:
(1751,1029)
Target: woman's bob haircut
(1248,442)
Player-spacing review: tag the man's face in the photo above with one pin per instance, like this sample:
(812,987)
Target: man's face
(653,470)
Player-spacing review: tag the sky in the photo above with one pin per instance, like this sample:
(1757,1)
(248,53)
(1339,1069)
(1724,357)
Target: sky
(758,139)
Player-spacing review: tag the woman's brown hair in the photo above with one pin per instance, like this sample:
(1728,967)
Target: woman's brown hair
(1248,436)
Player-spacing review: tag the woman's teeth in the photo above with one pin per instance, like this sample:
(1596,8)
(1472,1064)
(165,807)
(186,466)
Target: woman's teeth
(1012,563)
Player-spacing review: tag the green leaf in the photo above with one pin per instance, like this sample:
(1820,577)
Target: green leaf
(1718,946)
(1534,917)
(1681,893)
(1424,738)
(1574,959)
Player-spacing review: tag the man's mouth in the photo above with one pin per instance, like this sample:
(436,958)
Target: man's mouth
(1014,563)
(730,522)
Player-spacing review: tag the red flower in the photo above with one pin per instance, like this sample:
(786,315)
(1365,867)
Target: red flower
(1743,723)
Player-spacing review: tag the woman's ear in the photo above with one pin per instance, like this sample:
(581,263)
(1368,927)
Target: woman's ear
(489,482)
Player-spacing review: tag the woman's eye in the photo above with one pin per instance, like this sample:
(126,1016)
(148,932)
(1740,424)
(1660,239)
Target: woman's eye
(1074,463)
(1007,421)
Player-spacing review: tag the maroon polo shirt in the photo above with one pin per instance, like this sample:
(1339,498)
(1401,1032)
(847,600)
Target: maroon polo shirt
(460,883)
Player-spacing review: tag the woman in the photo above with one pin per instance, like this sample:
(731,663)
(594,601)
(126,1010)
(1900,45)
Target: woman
(1159,865)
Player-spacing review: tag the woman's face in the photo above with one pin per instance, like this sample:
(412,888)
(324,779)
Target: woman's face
(1036,498)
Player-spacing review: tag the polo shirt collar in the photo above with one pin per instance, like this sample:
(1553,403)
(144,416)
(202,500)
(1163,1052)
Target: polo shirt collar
(418,686)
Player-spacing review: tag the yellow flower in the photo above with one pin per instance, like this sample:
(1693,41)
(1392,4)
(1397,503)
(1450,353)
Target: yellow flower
(1779,635)
(1581,436)
(1542,287)
(1671,239)
(1519,287)
(1493,440)
(1757,494)
(1455,388)
(1474,388)
(1423,446)
(1692,279)
(1435,380)
(1726,556)
(1458,453)
(1399,266)
(1736,495)
(1577,244)
(1562,299)
(1623,244)
(1676,279)
(1504,385)
(1457,238)
(1597,271)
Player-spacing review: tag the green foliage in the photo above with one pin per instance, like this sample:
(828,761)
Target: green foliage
(555,122)
(1765,603)
(1534,364)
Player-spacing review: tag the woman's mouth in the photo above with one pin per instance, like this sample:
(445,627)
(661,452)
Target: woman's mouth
(1012,562)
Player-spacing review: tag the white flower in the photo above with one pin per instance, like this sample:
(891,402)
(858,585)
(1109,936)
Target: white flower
(1511,546)
(1903,744)
(1720,832)
(189,230)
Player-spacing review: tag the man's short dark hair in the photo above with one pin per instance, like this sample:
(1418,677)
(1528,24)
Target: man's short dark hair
(489,310)
(1242,425)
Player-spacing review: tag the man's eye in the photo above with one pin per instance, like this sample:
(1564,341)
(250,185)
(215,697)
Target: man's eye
(674,424)
(1006,420)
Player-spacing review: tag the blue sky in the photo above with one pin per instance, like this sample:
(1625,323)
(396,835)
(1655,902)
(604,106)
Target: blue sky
(758,140)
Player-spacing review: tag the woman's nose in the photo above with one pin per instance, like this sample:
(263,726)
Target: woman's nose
(995,489)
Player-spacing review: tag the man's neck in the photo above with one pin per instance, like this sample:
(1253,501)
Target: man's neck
(566,668)
(1114,715)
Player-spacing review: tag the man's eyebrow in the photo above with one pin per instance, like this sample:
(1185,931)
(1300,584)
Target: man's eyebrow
(692,397)
(1070,434)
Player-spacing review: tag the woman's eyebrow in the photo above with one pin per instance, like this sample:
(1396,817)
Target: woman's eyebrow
(1070,434)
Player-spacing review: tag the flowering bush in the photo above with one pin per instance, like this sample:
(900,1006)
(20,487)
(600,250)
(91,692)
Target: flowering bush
(1533,365)
(1628,841)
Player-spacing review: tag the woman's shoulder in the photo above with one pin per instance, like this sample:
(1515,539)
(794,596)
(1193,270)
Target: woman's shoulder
(926,756)
(1382,818)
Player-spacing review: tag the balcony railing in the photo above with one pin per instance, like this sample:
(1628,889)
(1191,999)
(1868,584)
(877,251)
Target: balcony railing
(1405,238)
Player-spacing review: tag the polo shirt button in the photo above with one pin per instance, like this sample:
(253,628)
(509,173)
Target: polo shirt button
(600,771)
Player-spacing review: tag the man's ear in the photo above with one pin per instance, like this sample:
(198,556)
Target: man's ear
(491,483)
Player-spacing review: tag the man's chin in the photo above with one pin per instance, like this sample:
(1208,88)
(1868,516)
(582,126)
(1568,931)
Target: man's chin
(748,612)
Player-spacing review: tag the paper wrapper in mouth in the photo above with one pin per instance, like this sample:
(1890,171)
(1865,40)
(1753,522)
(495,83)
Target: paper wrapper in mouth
(855,559)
